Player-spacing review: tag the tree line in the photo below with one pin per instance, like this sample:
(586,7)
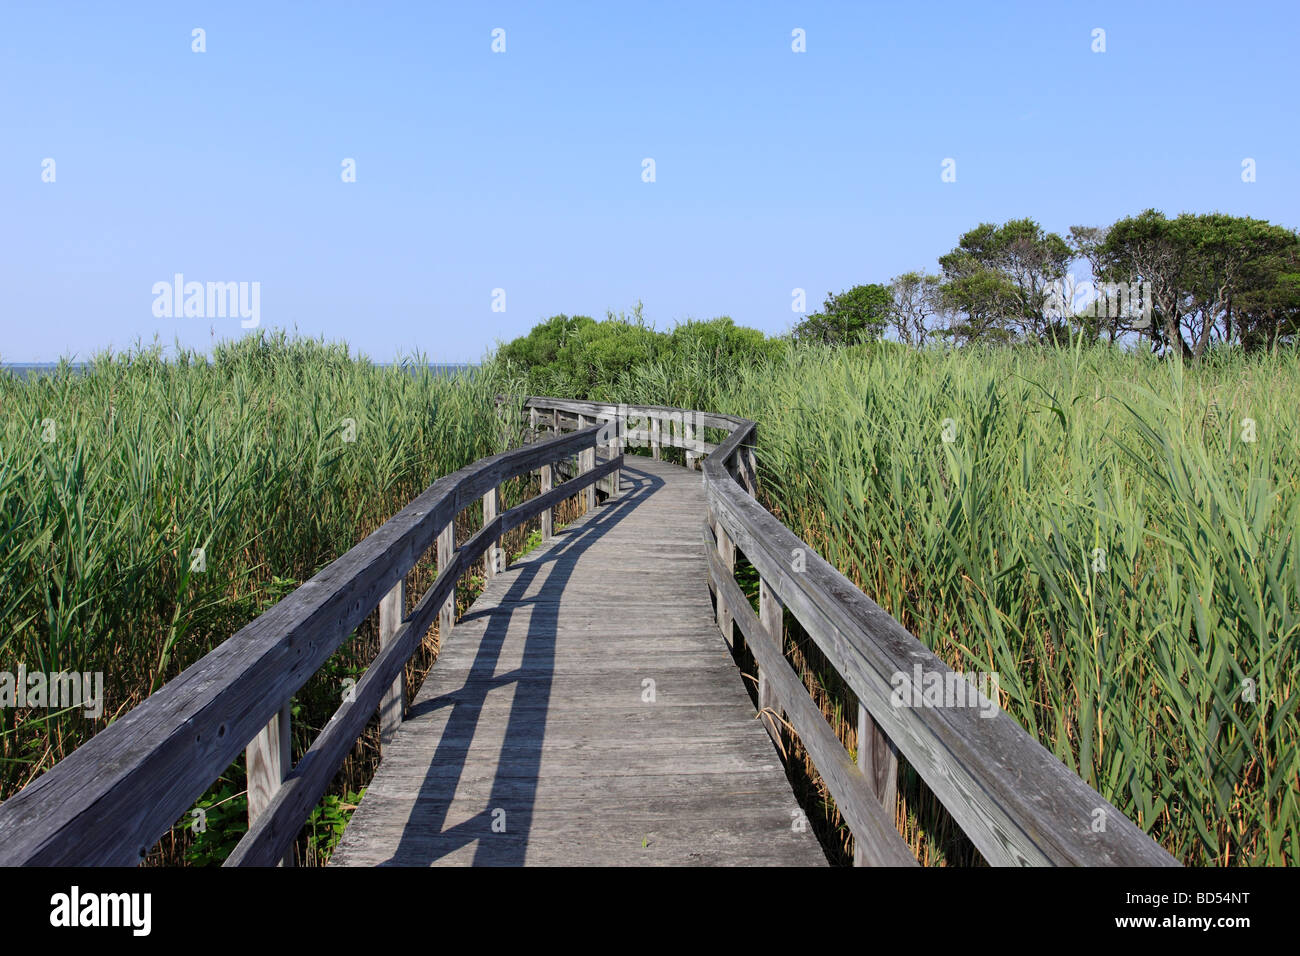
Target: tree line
(576,355)
(1183,285)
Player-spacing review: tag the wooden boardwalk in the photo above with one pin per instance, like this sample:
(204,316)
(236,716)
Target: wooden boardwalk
(586,710)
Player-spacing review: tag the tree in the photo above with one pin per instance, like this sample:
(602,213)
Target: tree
(1002,277)
(1268,312)
(1199,271)
(916,300)
(584,358)
(596,357)
(980,297)
(1088,243)
(1220,262)
(862,311)
(1145,248)
(580,356)
(541,346)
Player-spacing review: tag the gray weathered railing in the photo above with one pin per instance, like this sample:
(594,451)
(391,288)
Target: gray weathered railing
(112,799)
(1015,801)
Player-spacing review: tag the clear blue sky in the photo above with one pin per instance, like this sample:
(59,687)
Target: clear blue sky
(522,170)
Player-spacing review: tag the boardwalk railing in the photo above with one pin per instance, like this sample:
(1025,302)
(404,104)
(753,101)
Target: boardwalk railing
(1015,801)
(114,797)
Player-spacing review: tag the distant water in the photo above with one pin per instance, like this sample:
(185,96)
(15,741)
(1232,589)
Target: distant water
(29,369)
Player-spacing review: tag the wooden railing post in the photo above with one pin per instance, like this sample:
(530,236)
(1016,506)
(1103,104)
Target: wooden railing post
(616,449)
(493,558)
(611,447)
(548,516)
(688,439)
(771,615)
(727,553)
(654,436)
(268,760)
(878,761)
(751,467)
(589,493)
(532,424)
(392,706)
(582,460)
(587,461)
(446,547)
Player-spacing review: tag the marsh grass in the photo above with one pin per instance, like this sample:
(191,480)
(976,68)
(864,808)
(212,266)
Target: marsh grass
(1113,535)
(1104,531)
(274,458)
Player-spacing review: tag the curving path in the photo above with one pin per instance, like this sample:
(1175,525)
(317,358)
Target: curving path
(536,739)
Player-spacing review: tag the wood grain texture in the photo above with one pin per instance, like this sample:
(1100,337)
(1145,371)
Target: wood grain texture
(267,760)
(494,557)
(546,483)
(446,550)
(771,614)
(878,761)
(533,739)
(393,704)
(873,829)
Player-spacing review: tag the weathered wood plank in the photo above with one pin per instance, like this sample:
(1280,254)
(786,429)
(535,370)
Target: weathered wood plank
(538,709)
(393,704)
(874,832)
(878,761)
(270,836)
(1017,803)
(494,557)
(548,514)
(726,552)
(771,615)
(446,549)
(267,761)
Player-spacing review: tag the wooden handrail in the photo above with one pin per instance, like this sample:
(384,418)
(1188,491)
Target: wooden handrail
(1017,802)
(111,799)
(114,797)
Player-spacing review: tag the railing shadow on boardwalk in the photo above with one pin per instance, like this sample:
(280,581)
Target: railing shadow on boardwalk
(115,796)
(424,839)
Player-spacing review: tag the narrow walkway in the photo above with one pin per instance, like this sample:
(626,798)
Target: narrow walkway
(586,711)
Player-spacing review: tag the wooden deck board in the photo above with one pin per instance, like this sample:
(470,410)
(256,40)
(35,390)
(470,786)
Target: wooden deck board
(530,742)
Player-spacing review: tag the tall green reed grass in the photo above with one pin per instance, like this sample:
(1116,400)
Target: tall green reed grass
(1113,535)
(274,459)
(1101,531)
